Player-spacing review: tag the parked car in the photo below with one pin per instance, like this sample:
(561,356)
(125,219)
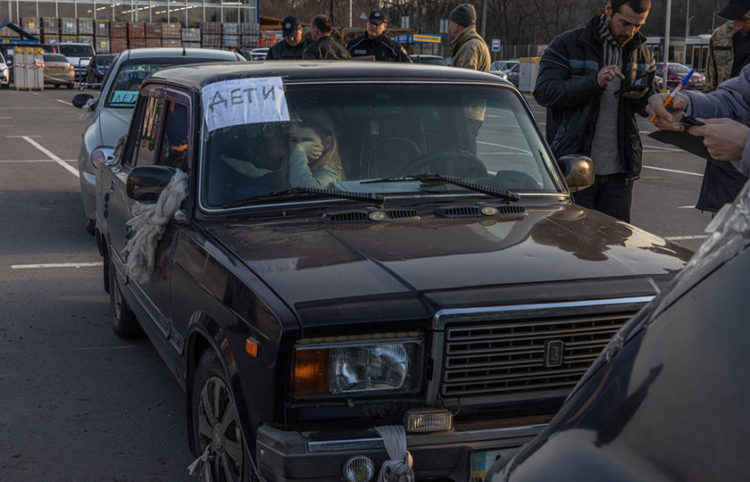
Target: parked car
(7,50)
(259,53)
(504,65)
(500,74)
(458,295)
(111,111)
(58,71)
(676,72)
(428,59)
(513,73)
(4,73)
(667,398)
(97,68)
(78,54)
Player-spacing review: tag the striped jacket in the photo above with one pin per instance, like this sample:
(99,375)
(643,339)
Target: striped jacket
(567,86)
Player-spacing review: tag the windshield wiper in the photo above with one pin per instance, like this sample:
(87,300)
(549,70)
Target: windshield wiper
(509,196)
(313,192)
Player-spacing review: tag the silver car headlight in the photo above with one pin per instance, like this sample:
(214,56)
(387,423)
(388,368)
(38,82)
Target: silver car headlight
(353,366)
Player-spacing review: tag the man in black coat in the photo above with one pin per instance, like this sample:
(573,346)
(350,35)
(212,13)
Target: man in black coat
(292,46)
(375,43)
(593,80)
(323,47)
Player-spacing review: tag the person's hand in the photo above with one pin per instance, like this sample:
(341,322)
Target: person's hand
(667,118)
(635,94)
(312,150)
(608,73)
(724,138)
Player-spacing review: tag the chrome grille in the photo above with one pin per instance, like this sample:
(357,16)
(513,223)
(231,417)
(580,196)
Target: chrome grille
(509,356)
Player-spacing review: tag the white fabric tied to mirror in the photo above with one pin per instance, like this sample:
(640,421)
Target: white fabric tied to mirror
(399,467)
(148,223)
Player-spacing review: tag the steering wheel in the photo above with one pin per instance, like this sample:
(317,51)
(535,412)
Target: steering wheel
(452,163)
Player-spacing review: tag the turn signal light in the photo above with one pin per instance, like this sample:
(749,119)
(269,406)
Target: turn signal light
(310,373)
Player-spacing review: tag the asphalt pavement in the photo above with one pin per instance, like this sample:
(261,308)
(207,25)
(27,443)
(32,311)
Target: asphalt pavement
(78,403)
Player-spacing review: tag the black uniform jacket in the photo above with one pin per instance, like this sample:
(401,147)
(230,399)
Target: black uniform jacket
(382,48)
(283,51)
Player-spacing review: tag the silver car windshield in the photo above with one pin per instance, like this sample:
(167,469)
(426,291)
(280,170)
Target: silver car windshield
(345,136)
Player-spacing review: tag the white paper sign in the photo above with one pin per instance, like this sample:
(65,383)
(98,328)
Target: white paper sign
(244,101)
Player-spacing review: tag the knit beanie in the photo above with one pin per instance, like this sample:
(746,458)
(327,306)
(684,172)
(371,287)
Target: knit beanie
(464,15)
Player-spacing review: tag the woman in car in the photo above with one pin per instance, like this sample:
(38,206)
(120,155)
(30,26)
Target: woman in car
(313,152)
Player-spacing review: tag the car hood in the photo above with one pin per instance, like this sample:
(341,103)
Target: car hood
(113,123)
(313,262)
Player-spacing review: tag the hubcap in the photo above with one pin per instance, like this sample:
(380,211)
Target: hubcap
(218,428)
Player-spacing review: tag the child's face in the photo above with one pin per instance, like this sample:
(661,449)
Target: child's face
(307,140)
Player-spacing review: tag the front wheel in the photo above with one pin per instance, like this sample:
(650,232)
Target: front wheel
(216,425)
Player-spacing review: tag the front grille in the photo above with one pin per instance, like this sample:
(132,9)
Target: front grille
(517,356)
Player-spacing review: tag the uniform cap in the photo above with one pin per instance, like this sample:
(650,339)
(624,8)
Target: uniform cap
(376,17)
(735,9)
(289,26)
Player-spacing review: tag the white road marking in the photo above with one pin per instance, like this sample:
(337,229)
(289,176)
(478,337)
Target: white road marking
(5,117)
(51,155)
(20,137)
(685,207)
(687,238)
(32,108)
(673,170)
(503,145)
(11,161)
(55,265)
(65,102)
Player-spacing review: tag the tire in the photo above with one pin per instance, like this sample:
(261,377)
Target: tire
(70,86)
(124,322)
(211,404)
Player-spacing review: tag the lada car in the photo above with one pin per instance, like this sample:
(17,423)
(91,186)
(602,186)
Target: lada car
(4,73)
(321,250)
(110,113)
(58,71)
(667,398)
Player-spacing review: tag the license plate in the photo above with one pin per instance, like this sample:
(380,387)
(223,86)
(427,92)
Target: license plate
(482,461)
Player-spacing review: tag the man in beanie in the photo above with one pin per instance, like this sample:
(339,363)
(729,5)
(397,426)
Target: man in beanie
(376,44)
(468,48)
(293,45)
(728,53)
(323,47)
(593,80)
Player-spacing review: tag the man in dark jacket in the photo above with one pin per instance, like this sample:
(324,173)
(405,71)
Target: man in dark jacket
(292,46)
(323,47)
(375,43)
(593,80)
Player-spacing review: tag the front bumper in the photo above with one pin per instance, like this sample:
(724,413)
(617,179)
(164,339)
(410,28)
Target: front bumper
(291,455)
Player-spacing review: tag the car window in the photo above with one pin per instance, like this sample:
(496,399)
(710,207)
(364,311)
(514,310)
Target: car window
(342,136)
(148,137)
(76,50)
(174,145)
(54,58)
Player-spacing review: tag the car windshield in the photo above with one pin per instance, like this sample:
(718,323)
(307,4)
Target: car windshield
(344,136)
(76,50)
(55,58)
(125,86)
(104,60)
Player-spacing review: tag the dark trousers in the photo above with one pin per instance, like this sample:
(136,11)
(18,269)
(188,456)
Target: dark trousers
(611,194)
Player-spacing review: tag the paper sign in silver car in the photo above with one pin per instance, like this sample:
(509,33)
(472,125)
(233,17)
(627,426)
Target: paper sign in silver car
(244,101)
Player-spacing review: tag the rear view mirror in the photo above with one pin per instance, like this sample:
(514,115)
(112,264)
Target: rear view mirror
(79,100)
(578,171)
(145,183)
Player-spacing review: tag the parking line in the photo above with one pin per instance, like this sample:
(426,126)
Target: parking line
(65,102)
(686,238)
(16,161)
(673,170)
(55,265)
(51,155)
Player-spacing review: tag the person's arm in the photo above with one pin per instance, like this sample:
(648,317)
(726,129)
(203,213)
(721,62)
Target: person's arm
(711,72)
(730,99)
(555,88)
(300,174)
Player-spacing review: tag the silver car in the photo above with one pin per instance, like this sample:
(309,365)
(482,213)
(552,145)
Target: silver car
(110,113)
(4,73)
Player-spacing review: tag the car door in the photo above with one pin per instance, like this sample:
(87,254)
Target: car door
(160,137)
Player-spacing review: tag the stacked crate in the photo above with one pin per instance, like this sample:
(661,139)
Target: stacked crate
(153,34)
(7,33)
(68,30)
(50,30)
(211,34)
(136,35)
(86,31)
(32,25)
(230,38)
(250,33)
(118,32)
(101,36)
(191,37)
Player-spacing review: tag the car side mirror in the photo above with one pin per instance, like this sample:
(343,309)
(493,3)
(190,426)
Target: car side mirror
(578,171)
(145,183)
(79,100)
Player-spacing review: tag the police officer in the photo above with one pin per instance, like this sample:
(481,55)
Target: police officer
(293,45)
(375,42)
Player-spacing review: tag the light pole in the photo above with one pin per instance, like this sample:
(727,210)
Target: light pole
(688,18)
(666,43)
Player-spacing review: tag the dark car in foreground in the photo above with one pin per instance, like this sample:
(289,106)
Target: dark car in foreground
(667,399)
(97,69)
(343,247)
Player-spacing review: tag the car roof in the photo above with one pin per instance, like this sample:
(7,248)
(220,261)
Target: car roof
(198,75)
(160,52)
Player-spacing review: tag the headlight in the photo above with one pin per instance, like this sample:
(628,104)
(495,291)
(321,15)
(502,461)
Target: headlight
(388,364)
